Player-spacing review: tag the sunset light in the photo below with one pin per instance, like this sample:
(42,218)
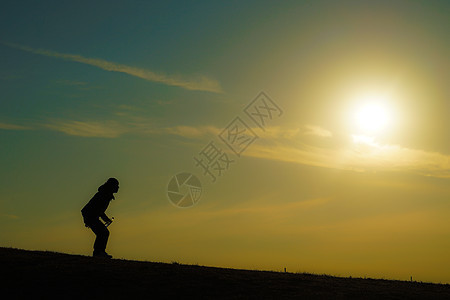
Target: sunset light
(311,136)
(373,115)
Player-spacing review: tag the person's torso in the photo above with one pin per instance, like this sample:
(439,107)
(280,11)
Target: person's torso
(97,205)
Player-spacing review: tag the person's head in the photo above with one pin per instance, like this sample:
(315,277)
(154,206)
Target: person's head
(111,185)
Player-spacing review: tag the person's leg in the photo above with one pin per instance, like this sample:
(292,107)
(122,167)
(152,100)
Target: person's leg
(102,234)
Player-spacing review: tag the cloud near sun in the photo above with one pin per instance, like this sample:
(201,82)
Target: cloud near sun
(199,83)
(360,155)
(297,145)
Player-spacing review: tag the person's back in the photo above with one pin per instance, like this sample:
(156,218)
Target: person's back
(95,209)
(97,206)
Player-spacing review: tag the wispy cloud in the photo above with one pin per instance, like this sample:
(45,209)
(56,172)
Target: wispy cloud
(270,132)
(358,153)
(9,216)
(192,132)
(7,126)
(71,82)
(363,154)
(199,83)
(107,129)
(317,131)
(277,132)
(10,77)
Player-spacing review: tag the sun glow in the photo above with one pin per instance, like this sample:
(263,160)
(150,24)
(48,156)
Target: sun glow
(366,140)
(373,115)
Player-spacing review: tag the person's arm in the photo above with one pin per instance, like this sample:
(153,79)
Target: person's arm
(105,218)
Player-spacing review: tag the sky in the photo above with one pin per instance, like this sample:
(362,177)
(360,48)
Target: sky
(317,132)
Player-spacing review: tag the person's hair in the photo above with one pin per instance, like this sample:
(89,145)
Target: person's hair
(109,185)
(112,181)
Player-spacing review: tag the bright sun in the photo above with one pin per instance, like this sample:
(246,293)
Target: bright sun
(373,115)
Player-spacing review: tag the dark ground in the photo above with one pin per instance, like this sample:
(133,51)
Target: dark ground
(44,275)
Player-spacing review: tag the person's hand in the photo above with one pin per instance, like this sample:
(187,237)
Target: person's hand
(108,221)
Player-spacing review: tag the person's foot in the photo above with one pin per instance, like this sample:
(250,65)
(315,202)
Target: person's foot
(101,254)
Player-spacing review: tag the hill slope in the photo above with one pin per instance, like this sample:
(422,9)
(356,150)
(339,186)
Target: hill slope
(44,275)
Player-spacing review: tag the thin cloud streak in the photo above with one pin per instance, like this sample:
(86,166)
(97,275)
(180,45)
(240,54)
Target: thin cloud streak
(192,132)
(7,126)
(363,155)
(317,130)
(9,216)
(200,83)
(386,158)
(108,129)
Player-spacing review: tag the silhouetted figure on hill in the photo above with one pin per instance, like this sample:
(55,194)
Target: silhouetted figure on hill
(94,210)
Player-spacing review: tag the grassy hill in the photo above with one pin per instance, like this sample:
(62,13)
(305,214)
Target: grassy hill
(43,275)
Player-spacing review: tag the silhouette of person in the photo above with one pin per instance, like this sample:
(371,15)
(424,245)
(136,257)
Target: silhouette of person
(94,210)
